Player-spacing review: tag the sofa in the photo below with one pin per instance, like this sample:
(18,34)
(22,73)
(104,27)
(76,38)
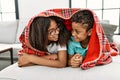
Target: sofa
(10,32)
(103,72)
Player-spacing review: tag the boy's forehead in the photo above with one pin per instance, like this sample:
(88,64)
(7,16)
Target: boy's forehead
(79,25)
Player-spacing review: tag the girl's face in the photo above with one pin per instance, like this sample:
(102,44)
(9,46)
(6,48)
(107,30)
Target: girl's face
(53,31)
(79,32)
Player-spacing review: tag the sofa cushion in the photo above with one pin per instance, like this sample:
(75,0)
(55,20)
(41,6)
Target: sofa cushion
(116,40)
(106,72)
(21,26)
(8,31)
(109,30)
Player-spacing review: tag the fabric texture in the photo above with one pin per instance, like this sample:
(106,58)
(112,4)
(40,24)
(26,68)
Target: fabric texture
(21,26)
(99,50)
(109,30)
(54,48)
(63,13)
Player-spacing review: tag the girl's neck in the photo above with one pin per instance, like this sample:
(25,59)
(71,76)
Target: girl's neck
(49,42)
(84,43)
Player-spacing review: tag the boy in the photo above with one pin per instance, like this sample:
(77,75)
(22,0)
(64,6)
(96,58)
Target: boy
(82,24)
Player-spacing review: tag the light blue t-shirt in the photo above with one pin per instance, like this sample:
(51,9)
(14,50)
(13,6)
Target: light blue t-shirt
(75,47)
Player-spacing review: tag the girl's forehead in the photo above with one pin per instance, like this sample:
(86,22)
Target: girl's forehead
(53,24)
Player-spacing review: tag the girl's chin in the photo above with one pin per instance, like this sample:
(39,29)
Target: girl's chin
(55,39)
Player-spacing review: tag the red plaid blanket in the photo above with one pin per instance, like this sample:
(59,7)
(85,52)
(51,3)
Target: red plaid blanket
(99,50)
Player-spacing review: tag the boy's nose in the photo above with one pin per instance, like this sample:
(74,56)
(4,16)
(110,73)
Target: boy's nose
(73,33)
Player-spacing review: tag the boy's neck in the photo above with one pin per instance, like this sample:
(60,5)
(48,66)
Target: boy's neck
(84,43)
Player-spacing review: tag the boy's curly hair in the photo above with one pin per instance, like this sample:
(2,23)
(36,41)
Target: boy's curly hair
(84,17)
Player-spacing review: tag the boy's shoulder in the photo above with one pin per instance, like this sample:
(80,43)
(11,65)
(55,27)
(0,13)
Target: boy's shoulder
(72,41)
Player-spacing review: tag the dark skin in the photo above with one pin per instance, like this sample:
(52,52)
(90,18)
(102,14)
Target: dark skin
(81,35)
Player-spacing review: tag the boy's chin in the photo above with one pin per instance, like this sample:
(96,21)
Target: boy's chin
(77,40)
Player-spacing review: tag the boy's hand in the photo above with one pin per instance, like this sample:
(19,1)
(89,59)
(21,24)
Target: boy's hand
(76,60)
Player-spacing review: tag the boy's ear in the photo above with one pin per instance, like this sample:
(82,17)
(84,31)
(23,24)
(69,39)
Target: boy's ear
(90,32)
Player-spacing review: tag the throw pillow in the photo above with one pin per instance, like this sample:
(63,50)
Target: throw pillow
(109,30)
(8,31)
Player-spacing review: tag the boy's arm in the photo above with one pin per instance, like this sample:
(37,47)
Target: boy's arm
(69,59)
(70,52)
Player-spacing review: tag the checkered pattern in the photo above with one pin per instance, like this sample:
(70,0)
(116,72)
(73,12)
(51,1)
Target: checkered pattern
(99,50)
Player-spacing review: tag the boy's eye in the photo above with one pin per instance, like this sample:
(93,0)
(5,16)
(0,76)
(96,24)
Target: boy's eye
(77,31)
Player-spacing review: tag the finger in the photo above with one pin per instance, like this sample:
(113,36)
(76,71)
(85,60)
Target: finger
(20,54)
(77,56)
(19,64)
(79,59)
(75,62)
(47,53)
(75,65)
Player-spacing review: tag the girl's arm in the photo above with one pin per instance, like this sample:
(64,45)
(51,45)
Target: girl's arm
(23,59)
(61,61)
(51,56)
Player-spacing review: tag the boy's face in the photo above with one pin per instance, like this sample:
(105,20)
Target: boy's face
(79,32)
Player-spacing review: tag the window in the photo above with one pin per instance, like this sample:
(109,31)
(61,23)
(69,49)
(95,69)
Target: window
(8,10)
(103,9)
(80,3)
(94,4)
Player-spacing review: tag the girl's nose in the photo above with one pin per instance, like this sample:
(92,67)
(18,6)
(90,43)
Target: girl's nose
(57,32)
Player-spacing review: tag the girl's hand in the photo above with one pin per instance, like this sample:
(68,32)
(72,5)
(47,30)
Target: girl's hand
(23,59)
(76,60)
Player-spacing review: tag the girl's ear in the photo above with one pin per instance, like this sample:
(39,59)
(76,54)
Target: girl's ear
(90,32)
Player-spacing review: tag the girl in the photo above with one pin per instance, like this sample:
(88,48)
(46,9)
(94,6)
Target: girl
(47,38)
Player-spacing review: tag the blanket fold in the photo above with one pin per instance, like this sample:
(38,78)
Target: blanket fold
(99,50)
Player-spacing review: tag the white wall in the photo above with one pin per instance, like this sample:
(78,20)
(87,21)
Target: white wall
(29,8)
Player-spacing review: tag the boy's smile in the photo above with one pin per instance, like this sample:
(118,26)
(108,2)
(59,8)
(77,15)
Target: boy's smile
(79,32)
